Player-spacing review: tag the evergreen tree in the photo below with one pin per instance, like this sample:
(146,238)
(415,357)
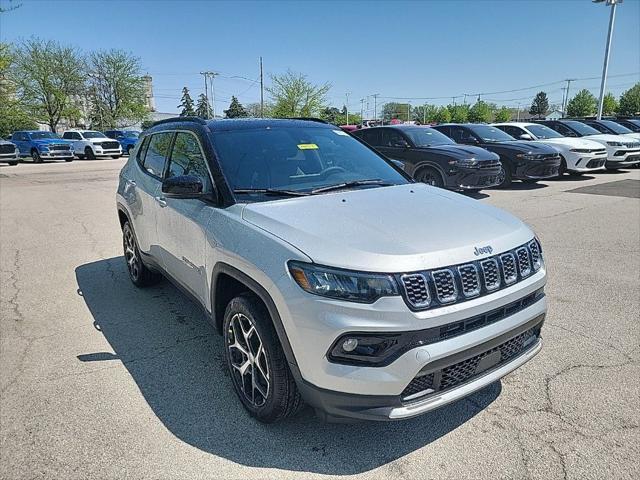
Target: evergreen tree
(203,109)
(235,110)
(540,105)
(186,104)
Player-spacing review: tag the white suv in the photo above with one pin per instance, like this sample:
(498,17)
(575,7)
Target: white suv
(91,144)
(579,155)
(332,276)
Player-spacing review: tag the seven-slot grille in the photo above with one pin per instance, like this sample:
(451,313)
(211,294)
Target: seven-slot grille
(461,282)
(7,148)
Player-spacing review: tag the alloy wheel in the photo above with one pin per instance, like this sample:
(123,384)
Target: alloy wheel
(248,360)
(131,254)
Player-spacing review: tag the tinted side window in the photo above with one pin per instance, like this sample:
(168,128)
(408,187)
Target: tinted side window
(562,130)
(371,137)
(157,152)
(66,135)
(460,135)
(391,138)
(515,132)
(187,159)
(598,127)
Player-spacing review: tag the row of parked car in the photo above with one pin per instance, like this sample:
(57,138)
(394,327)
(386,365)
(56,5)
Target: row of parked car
(38,145)
(476,156)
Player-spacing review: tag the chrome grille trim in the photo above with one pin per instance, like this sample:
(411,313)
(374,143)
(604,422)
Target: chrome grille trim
(524,264)
(458,283)
(416,289)
(445,285)
(491,273)
(470,280)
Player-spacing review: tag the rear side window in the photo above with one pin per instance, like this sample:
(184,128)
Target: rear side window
(372,137)
(157,153)
(597,126)
(187,159)
(562,130)
(392,138)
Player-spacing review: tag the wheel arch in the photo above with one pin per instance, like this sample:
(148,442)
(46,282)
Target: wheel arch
(226,283)
(432,165)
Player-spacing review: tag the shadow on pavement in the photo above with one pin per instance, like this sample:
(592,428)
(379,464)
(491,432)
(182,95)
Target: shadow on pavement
(177,361)
(571,178)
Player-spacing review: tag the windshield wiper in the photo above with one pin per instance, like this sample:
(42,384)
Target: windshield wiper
(272,191)
(355,183)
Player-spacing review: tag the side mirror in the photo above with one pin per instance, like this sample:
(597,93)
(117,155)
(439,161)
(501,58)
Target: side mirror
(183,186)
(526,136)
(398,163)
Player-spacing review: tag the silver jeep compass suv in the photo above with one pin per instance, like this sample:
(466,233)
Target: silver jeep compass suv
(332,276)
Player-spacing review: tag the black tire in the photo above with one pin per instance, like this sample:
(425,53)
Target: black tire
(80,157)
(115,156)
(430,176)
(563,167)
(68,160)
(282,398)
(88,153)
(13,164)
(139,273)
(129,148)
(506,176)
(35,155)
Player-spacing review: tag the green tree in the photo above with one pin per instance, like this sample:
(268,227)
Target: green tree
(48,78)
(582,105)
(253,109)
(235,110)
(12,115)
(442,115)
(480,112)
(295,96)
(116,89)
(609,104)
(330,114)
(503,114)
(203,109)
(630,101)
(395,110)
(539,105)
(186,104)
(459,113)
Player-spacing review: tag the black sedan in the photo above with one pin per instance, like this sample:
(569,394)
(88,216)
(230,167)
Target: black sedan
(431,157)
(521,160)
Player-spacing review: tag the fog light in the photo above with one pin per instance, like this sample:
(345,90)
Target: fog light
(350,344)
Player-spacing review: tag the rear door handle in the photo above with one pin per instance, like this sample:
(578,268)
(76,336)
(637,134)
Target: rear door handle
(161,201)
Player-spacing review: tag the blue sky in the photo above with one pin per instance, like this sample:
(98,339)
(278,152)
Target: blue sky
(396,49)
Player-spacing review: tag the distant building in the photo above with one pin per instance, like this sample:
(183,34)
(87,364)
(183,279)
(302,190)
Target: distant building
(554,115)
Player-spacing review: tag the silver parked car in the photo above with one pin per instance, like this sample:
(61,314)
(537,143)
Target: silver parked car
(333,278)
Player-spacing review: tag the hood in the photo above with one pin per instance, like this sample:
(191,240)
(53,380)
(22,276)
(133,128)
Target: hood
(390,229)
(634,135)
(100,140)
(605,137)
(524,146)
(570,142)
(4,142)
(49,141)
(460,151)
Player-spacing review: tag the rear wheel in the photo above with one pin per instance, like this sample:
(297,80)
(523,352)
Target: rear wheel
(88,153)
(506,176)
(35,155)
(430,176)
(257,365)
(139,274)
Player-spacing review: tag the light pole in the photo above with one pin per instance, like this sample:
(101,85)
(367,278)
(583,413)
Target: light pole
(347,105)
(613,4)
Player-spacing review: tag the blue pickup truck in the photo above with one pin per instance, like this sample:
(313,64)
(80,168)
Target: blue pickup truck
(127,138)
(40,145)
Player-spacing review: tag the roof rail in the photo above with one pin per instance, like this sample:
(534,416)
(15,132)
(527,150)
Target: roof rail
(180,119)
(308,119)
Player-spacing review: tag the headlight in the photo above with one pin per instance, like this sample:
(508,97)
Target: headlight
(526,156)
(615,144)
(467,162)
(342,284)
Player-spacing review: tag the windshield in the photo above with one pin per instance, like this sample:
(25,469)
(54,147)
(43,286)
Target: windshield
(632,124)
(41,135)
(297,159)
(426,137)
(619,129)
(581,128)
(542,132)
(491,134)
(131,133)
(92,134)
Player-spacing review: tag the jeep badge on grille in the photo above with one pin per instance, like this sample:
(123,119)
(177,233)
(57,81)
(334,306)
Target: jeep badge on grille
(483,250)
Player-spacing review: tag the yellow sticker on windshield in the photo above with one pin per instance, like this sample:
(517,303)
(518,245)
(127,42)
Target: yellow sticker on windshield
(307,146)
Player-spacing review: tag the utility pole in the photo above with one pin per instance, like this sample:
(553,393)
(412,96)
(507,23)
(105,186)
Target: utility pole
(518,114)
(408,112)
(347,105)
(565,101)
(261,91)
(206,91)
(613,4)
(361,110)
(375,105)
(211,76)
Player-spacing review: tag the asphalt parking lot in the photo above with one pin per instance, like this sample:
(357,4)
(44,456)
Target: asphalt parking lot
(100,380)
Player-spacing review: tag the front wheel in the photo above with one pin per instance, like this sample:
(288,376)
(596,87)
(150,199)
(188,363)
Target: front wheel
(12,163)
(88,153)
(68,160)
(257,365)
(430,176)
(35,155)
(115,156)
(505,178)
(139,274)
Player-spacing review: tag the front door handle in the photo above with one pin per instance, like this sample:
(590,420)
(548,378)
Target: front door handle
(161,201)
(131,182)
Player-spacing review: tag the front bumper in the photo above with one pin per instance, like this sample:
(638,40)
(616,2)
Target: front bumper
(9,157)
(314,324)
(585,162)
(108,153)
(538,169)
(465,178)
(623,158)
(56,154)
